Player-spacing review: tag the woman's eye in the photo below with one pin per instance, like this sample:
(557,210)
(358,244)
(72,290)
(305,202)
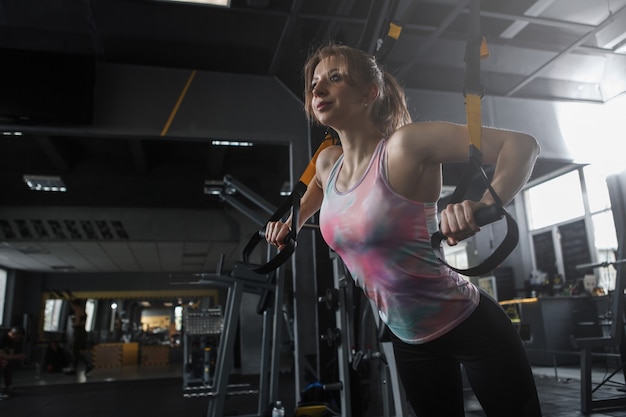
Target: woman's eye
(335,77)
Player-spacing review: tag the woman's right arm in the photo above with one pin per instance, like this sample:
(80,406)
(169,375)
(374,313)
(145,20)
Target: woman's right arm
(275,232)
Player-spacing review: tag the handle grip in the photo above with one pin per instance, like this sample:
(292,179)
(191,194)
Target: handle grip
(276,261)
(483,217)
(489,214)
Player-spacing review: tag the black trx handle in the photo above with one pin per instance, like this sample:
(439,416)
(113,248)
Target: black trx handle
(476,49)
(482,217)
(292,203)
(290,240)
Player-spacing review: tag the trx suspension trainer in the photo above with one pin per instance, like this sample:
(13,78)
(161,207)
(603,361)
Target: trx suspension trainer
(476,50)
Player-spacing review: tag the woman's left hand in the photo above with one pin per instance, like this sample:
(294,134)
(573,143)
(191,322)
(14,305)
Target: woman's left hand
(457,221)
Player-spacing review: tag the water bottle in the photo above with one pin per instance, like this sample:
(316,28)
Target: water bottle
(278,410)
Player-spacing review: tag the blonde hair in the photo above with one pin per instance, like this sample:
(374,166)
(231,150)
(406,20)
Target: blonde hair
(389,110)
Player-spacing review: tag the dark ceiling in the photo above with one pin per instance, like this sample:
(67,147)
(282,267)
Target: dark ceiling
(550,49)
(566,50)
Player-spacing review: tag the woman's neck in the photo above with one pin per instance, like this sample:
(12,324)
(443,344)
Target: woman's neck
(358,145)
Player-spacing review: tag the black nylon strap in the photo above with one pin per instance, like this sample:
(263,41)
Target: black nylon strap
(291,203)
(492,261)
(474,167)
(483,216)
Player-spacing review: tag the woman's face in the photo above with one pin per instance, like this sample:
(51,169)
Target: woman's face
(335,101)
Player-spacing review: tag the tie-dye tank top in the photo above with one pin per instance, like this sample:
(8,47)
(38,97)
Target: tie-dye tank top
(384,240)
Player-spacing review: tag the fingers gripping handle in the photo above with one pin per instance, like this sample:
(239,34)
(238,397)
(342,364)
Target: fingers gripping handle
(484,216)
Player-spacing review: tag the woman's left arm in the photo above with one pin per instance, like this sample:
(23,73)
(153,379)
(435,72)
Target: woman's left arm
(514,155)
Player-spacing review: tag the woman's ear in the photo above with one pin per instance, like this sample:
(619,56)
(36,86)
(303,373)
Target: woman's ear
(371,94)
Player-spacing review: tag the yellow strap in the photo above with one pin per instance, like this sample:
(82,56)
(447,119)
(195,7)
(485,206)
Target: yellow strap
(178,102)
(394,30)
(472,107)
(309,172)
(474,123)
(484,49)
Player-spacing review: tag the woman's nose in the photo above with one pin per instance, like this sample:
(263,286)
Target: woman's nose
(319,89)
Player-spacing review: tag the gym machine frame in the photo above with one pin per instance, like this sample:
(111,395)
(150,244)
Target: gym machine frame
(617,332)
(237,285)
(394,405)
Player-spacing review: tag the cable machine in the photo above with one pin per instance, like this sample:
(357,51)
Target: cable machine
(211,333)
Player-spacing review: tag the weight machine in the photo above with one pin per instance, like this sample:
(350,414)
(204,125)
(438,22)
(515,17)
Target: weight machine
(213,379)
(343,336)
(615,339)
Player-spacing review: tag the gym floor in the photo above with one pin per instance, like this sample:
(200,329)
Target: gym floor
(157,392)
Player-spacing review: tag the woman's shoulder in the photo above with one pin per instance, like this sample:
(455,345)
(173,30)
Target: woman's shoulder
(328,156)
(325,162)
(421,137)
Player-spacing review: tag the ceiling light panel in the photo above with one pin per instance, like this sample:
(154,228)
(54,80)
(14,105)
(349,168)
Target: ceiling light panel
(49,183)
(219,3)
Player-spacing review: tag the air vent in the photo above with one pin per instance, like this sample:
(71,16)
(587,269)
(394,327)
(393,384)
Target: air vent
(23,229)
(119,229)
(89,229)
(38,229)
(103,228)
(7,230)
(57,231)
(72,229)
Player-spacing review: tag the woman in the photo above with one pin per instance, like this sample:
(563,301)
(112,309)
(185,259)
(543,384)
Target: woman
(377,197)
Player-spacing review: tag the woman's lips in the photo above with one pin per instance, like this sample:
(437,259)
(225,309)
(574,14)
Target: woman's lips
(322,105)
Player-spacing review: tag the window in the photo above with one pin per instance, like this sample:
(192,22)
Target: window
(52,316)
(178,317)
(559,204)
(554,201)
(90,310)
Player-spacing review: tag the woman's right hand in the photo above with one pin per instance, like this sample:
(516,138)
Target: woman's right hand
(276,233)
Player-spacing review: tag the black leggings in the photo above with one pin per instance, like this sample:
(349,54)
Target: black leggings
(494,360)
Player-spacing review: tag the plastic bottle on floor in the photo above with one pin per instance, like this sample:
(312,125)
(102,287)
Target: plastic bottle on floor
(278,410)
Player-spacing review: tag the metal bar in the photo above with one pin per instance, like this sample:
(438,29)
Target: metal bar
(277,328)
(343,349)
(432,38)
(266,343)
(574,45)
(585,381)
(224,360)
(290,21)
(538,20)
(249,194)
